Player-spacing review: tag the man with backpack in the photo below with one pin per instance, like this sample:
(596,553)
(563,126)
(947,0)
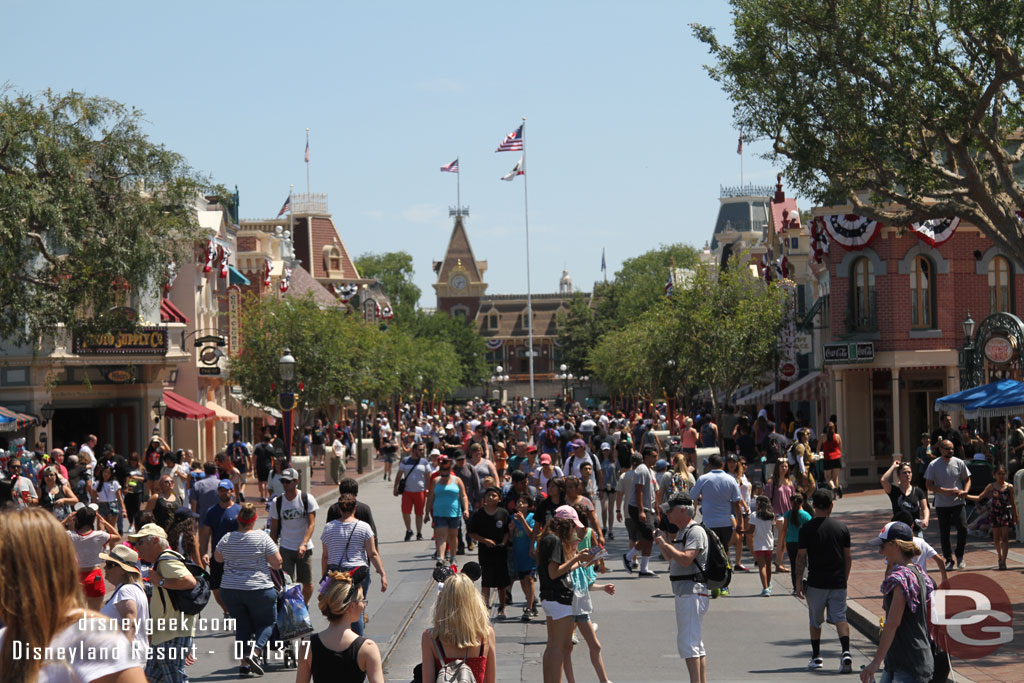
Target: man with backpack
(292,518)
(719,496)
(687,554)
(551,440)
(241,458)
(171,639)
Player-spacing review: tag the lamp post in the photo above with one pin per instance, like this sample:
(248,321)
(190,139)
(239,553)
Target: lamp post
(967,361)
(286,400)
(671,364)
(159,410)
(565,376)
(498,379)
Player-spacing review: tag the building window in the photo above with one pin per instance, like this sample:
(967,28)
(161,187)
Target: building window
(492,321)
(862,291)
(999,290)
(332,258)
(922,287)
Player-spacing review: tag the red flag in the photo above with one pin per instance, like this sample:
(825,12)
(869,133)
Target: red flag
(739,146)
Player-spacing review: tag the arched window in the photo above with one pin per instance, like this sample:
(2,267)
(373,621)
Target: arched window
(332,256)
(863,294)
(922,286)
(999,291)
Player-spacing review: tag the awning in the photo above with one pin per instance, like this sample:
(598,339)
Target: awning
(181,408)
(248,406)
(235,276)
(222,413)
(758,397)
(808,388)
(12,420)
(169,313)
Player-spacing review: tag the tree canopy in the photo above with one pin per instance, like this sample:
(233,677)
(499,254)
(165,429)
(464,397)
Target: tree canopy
(90,209)
(917,105)
(395,272)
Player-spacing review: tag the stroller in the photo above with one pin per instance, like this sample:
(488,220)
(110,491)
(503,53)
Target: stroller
(293,621)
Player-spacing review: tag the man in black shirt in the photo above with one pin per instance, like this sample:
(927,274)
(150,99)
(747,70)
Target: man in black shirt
(946,431)
(362,513)
(489,527)
(825,551)
(263,455)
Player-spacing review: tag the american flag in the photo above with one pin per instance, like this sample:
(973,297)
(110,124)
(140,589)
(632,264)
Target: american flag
(513,142)
(307,150)
(670,285)
(452,167)
(286,207)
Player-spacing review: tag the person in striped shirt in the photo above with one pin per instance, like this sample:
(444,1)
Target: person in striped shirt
(348,544)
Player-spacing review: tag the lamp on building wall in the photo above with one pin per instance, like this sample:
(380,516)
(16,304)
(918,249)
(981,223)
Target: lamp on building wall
(46,412)
(968,330)
(967,356)
(159,410)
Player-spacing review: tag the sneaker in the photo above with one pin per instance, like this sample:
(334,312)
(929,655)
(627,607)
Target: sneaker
(648,575)
(846,663)
(961,564)
(255,663)
(526,615)
(950,565)
(815,663)
(419,536)
(575,640)
(766,593)
(723,592)
(534,611)
(715,592)
(839,491)
(244,672)
(626,563)
(501,614)
(408,535)
(740,568)
(610,536)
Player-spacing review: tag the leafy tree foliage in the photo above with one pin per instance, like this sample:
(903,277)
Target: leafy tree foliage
(640,284)
(577,333)
(395,272)
(90,210)
(906,111)
(461,335)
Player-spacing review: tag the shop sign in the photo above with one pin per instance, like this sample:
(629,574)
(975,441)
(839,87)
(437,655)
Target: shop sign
(787,370)
(143,341)
(234,309)
(120,375)
(848,352)
(803,343)
(214,370)
(999,350)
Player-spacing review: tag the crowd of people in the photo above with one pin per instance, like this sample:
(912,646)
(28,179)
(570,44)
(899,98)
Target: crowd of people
(536,495)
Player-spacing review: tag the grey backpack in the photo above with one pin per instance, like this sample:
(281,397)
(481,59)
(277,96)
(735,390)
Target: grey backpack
(453,672)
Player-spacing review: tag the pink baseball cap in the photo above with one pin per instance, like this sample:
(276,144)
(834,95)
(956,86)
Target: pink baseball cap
(545,459)
(566,512)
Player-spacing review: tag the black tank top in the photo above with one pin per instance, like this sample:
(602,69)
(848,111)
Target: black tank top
(163,512)
(330,665)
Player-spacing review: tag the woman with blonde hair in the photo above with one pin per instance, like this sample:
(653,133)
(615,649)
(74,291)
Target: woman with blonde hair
(338,653)
(56,495)
(461,630)
(41,604)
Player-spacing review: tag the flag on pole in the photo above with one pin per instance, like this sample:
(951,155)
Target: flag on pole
(670,285)
(287,206)
(452,167)
(604,267)
(513,142)
(739,146)
(516,170)
(307,148)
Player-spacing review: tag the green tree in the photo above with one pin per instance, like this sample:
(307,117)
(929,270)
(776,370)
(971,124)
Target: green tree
(395,272)
(640,283)
(917,104)
(459,334)
(577,333)
(86,200)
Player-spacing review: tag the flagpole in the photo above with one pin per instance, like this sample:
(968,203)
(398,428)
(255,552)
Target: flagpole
(458,188)
(741,162)
(307,161)
(529,295)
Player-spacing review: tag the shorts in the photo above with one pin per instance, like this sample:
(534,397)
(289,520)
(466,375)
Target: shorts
(216,574)
(153,472)
(645,530)
(108,509)
(818,599)
(556,610)
(262,473)
(447,522)
(581,618)
(690,451)
(412,499)
(765,555)
(690,611)
(529,574)
(724,534)
(302,569)
(836,464)
(631,528)
(387,456)
(494,570)
(92,582)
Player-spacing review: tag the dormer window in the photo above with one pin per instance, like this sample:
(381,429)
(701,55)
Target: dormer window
(332,259)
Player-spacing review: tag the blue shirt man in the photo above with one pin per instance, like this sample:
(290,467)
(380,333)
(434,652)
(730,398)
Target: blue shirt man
(719,496)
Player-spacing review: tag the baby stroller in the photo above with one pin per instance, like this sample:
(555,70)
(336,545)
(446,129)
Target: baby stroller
(292,623)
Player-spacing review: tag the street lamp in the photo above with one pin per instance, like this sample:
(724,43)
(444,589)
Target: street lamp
(286,400)
(671,399)
(46,412)
(160,409)
(968,330)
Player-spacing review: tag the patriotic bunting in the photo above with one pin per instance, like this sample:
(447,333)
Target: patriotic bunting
(211,256)
(172,274)
(819,241)
(850,230)
(936,230)
(225,254)
(345,292)
(286,279)
(267,266)
(767,269)
(495,344)
(387,312)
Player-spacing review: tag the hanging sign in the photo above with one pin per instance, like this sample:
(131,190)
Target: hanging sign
(850,230)
(142,341)
(935,231)
(999,350)
(234,327)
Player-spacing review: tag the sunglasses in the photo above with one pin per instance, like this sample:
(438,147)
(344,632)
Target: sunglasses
(287,481)
(110,565)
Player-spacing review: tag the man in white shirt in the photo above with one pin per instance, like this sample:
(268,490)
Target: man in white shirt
(88,448)
(292,518)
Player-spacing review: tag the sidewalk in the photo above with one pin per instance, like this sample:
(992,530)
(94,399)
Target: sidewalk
(865,513)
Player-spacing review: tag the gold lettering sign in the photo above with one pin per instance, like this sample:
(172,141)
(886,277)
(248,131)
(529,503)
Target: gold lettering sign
(141,341)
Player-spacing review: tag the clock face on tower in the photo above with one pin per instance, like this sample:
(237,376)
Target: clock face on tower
(459,282)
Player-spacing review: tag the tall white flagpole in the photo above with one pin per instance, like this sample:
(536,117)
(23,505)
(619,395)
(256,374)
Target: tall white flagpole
(307,162)
(458,187)
(529,296)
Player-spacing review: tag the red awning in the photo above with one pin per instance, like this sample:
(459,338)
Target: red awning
(181,408)
(169,313)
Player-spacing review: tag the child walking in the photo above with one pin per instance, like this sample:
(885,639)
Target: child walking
(763,522)
(1003,515)
(795,518)
(522,553)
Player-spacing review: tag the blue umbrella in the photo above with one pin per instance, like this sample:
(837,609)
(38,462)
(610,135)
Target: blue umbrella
(1005,403)
(963,400)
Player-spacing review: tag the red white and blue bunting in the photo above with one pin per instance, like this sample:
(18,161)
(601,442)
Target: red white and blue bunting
(267,267)
(935,231)
(850,230)
(819,240)
(225,254)
(387,312)
(211,256)
(495,344)
(345,292)
(286,279)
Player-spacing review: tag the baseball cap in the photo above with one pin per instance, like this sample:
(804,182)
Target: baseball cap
(606,446)
(460,454)
(566,512)
(681,499)
(661,465)
(226,484)
(435,452)
(150,529)
(531,449)
(493,488)
(545,459)
(979,456)
(578,443)
(893,531)
(443,458)
(289,474)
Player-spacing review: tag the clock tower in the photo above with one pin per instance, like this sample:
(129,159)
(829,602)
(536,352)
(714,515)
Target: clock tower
(460,284)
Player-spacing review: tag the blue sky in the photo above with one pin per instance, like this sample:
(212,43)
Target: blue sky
(627,138)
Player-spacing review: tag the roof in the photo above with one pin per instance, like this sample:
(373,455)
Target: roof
(459,249)
(785,214)
(302,284)
(510,312)
(181,408)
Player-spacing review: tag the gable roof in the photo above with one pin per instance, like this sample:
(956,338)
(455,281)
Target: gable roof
(459,249)
(302,283)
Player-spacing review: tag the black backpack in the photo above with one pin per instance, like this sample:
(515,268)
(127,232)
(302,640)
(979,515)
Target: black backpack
(190,601)
(305,505)
(717,572)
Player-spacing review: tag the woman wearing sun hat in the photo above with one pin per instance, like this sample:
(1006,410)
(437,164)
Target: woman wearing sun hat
(128,604)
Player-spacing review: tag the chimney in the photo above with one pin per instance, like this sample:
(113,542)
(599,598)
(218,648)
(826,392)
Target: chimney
(779,194)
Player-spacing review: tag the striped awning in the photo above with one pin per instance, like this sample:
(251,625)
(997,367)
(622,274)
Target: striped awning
(221,414)
(759,397)
(13,421)
(808,388)
(181,408)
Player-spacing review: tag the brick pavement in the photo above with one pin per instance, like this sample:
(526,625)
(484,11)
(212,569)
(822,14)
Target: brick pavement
(865,513)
